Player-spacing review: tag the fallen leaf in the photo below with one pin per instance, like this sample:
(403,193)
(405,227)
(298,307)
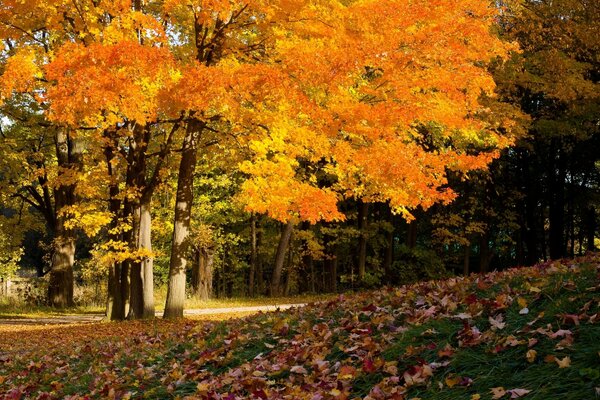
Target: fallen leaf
(497,322)
(298,369)
(497,392)
(452,380)
(564,363)
(531,354)
(516,393)
(524,311)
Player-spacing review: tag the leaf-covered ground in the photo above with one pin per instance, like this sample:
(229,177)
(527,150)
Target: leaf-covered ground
(532,333)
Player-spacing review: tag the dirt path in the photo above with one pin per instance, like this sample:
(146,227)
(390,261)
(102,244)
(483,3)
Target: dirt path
(90,318)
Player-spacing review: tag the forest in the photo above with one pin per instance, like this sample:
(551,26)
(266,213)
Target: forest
(212,148)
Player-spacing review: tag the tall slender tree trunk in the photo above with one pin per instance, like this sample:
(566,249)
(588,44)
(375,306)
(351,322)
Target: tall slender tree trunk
(253,255)
(591,229)
(183,209)
(147,263)
(557,203)
(467,260)
(260,280)
(485,255)
(69,152)
(115,304)
(388,257)
(280,258)
(136,288)
(288,272)
(308,267)
(411,235)
(363,209)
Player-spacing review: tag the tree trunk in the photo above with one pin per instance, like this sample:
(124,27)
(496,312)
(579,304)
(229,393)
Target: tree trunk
(181,226)
(206,275)
(69,154)
(288,272)
(147,263)
(557,203)
(260,280)
(591,229)
(530,231)
(253,255)
(363,209)
(60,288)
(136,288)
(115,304)
(308,268)
(196,267)
(280,258)
(388,257)
(202,274)
(411,235)
(467,260)
(484,253)
(333,274)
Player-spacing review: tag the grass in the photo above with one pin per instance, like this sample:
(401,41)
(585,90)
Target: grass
(10,308)
(432,340)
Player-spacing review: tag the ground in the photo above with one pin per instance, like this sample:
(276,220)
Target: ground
(528,332)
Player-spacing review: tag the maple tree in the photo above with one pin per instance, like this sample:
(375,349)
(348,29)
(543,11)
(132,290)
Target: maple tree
(325,107)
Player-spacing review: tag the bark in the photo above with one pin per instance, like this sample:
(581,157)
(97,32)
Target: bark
(280,258)
(591,229)
(485,255)
(530,231)
(557,203)
(388,257)
(333,274)
(411,235)
(308,267)
(69,152)
(202,273)
(363,209)
(260,280)
(253,255)
(466,260)
(288,274)
(147,263)
(115,304)
(183,209)
(136,288)
(60,288)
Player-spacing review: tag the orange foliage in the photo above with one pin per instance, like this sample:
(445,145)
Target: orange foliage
(374,99)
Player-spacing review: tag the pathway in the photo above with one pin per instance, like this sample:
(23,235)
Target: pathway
(89,318)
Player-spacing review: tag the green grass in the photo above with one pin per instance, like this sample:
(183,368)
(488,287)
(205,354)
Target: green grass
(380,339)
(13,309)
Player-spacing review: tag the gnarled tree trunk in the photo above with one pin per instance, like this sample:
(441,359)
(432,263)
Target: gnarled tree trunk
(284,241)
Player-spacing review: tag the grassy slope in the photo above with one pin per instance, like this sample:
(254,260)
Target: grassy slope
(431,341)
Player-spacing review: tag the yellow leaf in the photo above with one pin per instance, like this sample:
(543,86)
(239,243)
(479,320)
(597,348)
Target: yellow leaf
(531,354)
(522,302)
(564,363)
(452,381)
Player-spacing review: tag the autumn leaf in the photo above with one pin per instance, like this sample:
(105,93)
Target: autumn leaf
(531,355)
(564,363)
(497,392)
